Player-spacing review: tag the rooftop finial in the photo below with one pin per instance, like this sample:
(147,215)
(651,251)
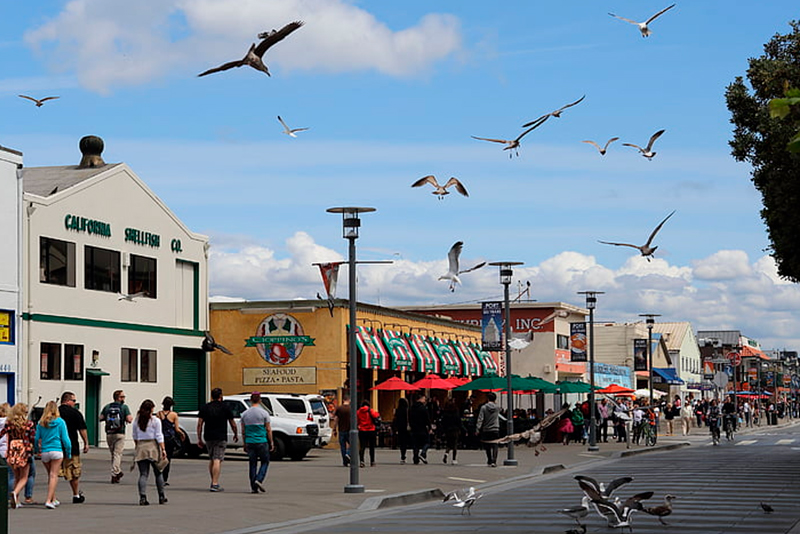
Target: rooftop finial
(91,147)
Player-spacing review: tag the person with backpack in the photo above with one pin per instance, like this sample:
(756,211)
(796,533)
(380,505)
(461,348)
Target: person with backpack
(116,415)
(173,435)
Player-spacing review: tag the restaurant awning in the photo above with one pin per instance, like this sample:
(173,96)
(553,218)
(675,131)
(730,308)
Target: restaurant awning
(426,359)
(373,353)
(472,363)
(450,361)
(667,375)
(400,352)
(489,365)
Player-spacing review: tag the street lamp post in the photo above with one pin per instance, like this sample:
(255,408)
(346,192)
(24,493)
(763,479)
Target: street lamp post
(350,225)
(505,278)
(591,304)
(650,322)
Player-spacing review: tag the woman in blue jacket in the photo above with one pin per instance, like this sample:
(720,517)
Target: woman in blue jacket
(52,442)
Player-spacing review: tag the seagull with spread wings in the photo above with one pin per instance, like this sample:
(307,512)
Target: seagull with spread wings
(132,297)
(618,514)
(463,499)
(453,269)
(254,56)
(39,102)
(648,150)
(647,250)
(441,190)
(602,149)
(643,26)
(290,131)
(556,113)
(513,144)
(210,345)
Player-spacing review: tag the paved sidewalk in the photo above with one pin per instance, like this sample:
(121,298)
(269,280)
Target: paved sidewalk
(296,491)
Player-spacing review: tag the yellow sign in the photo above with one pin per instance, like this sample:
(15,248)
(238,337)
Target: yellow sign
(5,326)
(279,376)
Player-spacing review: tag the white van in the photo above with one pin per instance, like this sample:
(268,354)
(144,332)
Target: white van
(309,408)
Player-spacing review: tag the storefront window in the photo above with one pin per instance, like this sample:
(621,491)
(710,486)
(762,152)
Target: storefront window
(50,361)
(142,276)
(56,262)
(130,359)
(73,362)
(148,367)
(102,268)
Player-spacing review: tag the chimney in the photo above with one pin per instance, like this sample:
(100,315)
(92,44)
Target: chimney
(91,147)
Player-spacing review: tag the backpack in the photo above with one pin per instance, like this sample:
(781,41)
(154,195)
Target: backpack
(114,423)
(17,456)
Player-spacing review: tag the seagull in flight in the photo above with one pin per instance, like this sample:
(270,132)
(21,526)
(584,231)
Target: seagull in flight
(210,345)
(254,56)
(648,150)
(132,297)
(463,499)
(441,190)
(646,250)
(289,131)
(602,149)
(39,103)
(453,265)
(556,113)
(643,26)
(513,144)
(602,489)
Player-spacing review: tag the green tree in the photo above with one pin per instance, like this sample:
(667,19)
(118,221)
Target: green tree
(761,140)
(788,107)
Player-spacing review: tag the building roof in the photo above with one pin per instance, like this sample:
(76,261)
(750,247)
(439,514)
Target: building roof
(673,334)
(10,150)
(44,181)
(727,337)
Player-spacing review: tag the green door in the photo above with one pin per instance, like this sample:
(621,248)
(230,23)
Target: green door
(188,378)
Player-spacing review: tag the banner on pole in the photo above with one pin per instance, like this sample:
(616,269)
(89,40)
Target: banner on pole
(492,326)
(577,342)
(330,274)
(640,355)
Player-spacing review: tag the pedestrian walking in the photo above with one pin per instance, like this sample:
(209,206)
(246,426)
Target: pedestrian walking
(257,441)
(670,412)
(116,416)
(52,442)
(686,418)
(71,467)
(578,420)
(369,421)
(748,414)
(604,414)
(420,424)
(212,422)
(173,434)
(451,427)
(150,451)
(401,428)
(341,426)
(488,427)
(19,454)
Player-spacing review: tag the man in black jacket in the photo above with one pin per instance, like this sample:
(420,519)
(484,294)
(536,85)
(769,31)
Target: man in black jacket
(420,424)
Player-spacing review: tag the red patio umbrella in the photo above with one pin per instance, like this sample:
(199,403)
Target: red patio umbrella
(615,389)
(434,382)
(395,384)
(458,381)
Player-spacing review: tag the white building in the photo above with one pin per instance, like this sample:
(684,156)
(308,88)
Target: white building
(10,272)
(94,234)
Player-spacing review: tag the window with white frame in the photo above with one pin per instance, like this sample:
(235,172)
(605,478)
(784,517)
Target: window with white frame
(130,365)
(148,365)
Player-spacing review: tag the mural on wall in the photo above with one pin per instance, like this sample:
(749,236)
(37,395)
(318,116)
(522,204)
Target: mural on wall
(279,339)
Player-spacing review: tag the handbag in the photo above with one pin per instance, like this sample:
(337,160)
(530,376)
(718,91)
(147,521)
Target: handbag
(16,456)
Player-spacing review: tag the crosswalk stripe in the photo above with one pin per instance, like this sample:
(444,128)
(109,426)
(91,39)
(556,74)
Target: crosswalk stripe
(784,441)
(747,442)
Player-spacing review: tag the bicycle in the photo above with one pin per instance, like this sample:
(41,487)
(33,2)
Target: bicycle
(648,434)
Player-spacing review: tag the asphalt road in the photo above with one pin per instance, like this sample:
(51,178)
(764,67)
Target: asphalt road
(719,489)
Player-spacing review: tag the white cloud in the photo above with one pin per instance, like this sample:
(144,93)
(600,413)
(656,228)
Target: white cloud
(753,301)
(112,43)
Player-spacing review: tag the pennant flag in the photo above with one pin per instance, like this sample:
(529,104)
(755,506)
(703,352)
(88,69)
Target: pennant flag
(330,274)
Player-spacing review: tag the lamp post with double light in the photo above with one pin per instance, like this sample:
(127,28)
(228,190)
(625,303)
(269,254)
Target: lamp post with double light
(350,226)
(650,320)
(506,273)
(591,304)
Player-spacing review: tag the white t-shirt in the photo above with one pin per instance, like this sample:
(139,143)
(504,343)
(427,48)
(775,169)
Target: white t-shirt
(153,430)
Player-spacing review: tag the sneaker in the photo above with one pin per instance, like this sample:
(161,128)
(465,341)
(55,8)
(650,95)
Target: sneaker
(424,459)
(216,488)
(402,462)
(52,506)
(14,500)
(57,502)
(444,460)
(143,501)
(78,499)
(455,462)
(162,499)
(260,486)
(494,464)
(254,491)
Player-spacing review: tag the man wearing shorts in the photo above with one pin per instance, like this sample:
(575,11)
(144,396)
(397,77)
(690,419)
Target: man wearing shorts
(211,429)
(76,425)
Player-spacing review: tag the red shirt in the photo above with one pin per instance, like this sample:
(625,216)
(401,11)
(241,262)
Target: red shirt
(364,417)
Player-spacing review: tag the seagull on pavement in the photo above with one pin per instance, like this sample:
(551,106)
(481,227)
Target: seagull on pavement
(646,250)
(133,297)
(463,499)
(513,144)
(289,131)
(602,149)
(210,345)
(662,511)
(643,25)
(601,488)
(254,56)
(39,103)
(648,150)
(577,512)
(767,508)
(441,190)
(618,514)
(556,113)
(453,269)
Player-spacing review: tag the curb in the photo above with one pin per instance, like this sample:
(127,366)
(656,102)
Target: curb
(659,448)
(401,499)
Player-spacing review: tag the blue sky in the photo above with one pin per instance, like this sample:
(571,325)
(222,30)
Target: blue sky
(393,92)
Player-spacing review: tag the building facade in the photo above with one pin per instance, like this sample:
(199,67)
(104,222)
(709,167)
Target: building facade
(10,272)
(115,289)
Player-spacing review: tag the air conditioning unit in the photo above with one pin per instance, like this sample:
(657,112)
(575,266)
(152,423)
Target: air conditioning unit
(548,368)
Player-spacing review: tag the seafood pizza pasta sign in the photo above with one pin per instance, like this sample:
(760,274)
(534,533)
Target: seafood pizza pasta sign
(279,340)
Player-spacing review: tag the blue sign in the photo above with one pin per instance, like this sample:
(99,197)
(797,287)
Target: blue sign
(492,326)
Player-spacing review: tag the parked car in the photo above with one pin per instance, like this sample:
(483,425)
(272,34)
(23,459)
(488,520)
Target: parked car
(321,416)
(304,407)
(293,437)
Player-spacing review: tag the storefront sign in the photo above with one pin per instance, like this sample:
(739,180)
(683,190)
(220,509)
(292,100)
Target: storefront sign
(90,226)
(491,326)
(279,339)
(140,237)
(279,376)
